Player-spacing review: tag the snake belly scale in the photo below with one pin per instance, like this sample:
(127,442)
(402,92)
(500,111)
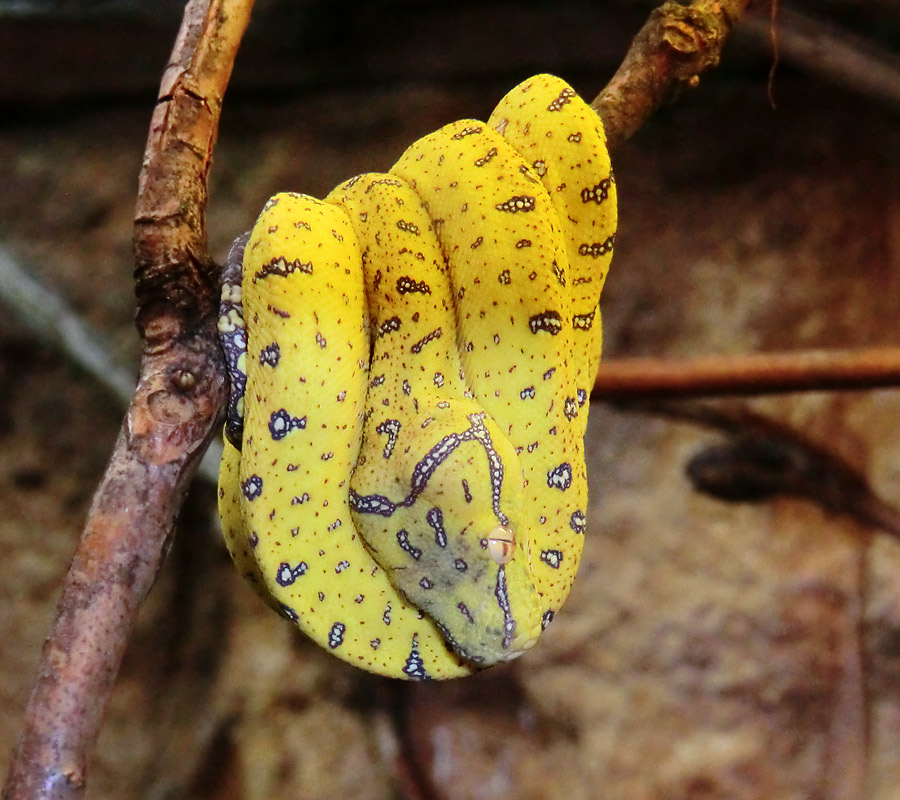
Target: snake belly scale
(410,361)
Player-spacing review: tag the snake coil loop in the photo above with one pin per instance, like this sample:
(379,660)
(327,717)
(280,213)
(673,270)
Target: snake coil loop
(411,360)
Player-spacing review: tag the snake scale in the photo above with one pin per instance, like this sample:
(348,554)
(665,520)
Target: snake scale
(411,360)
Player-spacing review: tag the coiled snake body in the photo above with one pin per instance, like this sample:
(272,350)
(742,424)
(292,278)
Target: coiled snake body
(411,359)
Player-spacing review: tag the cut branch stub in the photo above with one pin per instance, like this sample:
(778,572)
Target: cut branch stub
(676,45)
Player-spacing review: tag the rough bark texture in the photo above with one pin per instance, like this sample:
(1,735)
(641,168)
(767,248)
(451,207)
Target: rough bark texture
(676,45)
(170,420)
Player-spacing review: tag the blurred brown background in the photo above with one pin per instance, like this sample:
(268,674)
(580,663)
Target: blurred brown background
(709,650)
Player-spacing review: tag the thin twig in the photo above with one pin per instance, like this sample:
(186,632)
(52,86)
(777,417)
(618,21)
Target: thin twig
(761,373)
(175,279)
(172,416)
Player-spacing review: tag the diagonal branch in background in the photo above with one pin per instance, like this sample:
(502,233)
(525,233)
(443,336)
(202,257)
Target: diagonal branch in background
(181,389)
(172,416)
(821,48)
(57,324)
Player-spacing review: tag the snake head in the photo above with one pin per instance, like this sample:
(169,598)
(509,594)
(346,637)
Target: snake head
(455,543)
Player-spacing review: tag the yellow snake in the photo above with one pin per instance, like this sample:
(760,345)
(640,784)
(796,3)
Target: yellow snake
(411,360)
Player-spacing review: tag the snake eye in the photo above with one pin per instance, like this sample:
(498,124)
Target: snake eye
(501,544)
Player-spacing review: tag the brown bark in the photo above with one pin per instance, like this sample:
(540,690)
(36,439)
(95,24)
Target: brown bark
(172,265)
(674,47)
(169,423)
(759,373)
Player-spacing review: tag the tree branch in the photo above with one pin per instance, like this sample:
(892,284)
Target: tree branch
(676,45)
(173,268)
(171,419)
(761,373)
(55,322)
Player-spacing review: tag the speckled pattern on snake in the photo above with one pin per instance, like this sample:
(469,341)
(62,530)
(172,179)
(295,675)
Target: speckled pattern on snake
(411,360)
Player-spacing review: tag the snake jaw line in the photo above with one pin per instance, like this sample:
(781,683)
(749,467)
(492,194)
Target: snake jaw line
(468,279)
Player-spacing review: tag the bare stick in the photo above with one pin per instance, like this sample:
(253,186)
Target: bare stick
(173,268)
(674,47)
(807,370)
(172,416)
